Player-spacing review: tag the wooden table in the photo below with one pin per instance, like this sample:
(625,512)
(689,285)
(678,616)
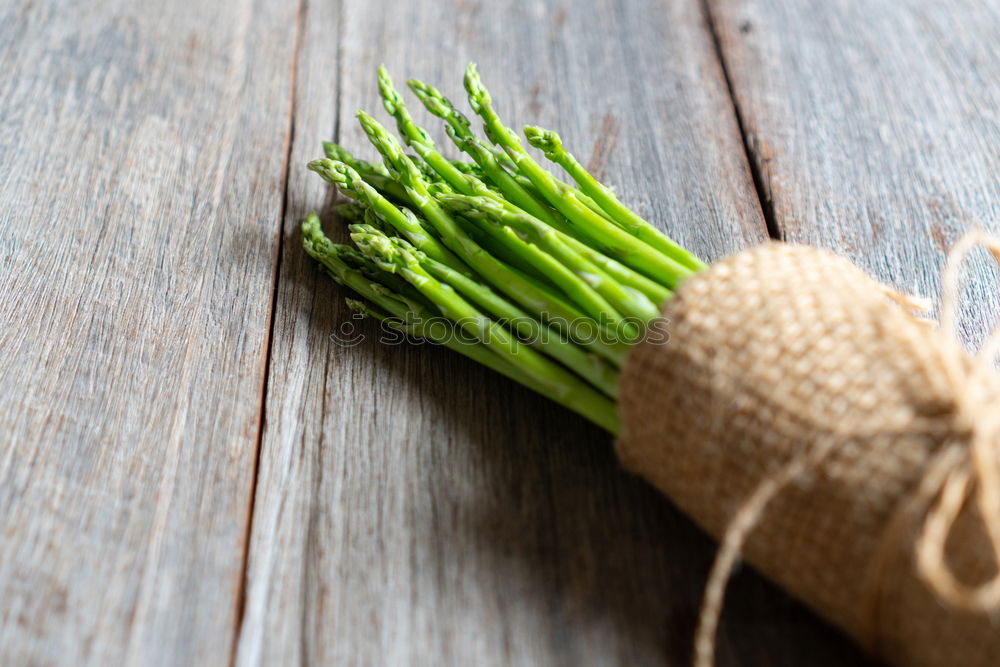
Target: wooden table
(193,473)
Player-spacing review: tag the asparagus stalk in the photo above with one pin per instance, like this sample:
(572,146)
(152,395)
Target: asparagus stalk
(399,289)
(551,144)
(406,315)
(632,303)
(352,211)
(415,136)
(532,332)
(498,274)
(507,251)
(469,169)
(651,289)
(374,174)
(336,260)
(610,237)
(521,192)
(334,151)
(552,378)
(456,174)
(513,251)
(432,177)
(372,219)
(628,277)
(580,291)
(350,183)
(624,275)
(586,285)
(460,131)
(526,183)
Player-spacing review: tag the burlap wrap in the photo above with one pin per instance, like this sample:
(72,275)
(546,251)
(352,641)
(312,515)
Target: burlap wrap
(791,383)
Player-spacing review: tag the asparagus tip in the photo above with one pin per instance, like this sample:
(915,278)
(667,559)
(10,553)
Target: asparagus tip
(430,97)
(313,238)
(332,150)
(338,173)
(311,221)
(357,306)
(390,98)
(471,206)
(374,129)
(377,247)
(478,95)
(544,140)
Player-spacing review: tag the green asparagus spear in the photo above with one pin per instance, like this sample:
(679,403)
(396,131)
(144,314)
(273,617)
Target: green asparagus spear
(496,273)
(518,189)
(413,318)
(550,143)
(469,168)
(456,174)
(349,182)
(521,192)
(335,258)
(526,183)
(460,131)
(415,136)
(399,288)
(585,296)
(334,151)
(587,286)
(532,272)
(372,219)
(552,378)
(376,175)
(632,303)
(613,239)
(546,340)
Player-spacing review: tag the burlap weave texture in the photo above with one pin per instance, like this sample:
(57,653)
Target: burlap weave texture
(781,353)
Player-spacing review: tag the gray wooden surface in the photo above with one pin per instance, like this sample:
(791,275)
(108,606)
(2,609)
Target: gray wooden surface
(874,127)
(143,152)
(193,472)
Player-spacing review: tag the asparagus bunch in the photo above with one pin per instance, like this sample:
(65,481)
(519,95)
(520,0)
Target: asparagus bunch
(546,282)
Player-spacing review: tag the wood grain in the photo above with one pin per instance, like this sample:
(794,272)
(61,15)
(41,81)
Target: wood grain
(415,509)
(143,149)
(410,507)
(875,129)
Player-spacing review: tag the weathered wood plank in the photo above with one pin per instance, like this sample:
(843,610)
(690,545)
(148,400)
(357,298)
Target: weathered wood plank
(875,128)
(283,585)
(413,508)
(143,148)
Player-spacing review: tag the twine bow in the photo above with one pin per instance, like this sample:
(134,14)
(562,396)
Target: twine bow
(966,463)
(971,464)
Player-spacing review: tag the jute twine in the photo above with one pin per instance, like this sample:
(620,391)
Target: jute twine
(843,447)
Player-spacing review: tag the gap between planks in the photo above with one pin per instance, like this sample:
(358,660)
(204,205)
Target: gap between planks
(241,598)
(763,197)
